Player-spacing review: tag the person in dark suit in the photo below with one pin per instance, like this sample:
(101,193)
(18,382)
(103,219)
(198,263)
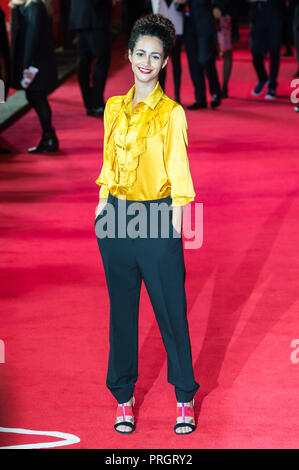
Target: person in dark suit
(222,11)
(266,20)
(33,45)
(235,9)
(4,63)
(287,28)
(4,53)
(132,10)
(200,39)
(67,34)
(90,18)
(170,9)
(296,33)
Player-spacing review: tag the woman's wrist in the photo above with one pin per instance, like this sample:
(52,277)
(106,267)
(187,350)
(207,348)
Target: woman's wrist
(177,217)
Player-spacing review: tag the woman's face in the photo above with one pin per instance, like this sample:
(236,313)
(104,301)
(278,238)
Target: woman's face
(147,58)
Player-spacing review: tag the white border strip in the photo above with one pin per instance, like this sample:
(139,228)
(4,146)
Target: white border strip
(68,439)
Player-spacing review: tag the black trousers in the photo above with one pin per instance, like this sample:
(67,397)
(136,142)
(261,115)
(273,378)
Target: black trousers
(159,262)
(198,69)
(176,68)
(93,44)
(131,11)
(287,28)
(296,31)
(39,102)
(265,35)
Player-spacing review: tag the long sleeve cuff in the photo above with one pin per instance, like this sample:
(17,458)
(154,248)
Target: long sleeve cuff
(104,191)
(181,200)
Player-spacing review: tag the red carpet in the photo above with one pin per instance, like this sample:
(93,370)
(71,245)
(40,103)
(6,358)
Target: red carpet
(242,284)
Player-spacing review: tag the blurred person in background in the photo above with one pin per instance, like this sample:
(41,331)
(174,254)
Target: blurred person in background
(132,10)
(266,19)
(296,33)
(169,9)
(33,45)
(4,63)
(91,18)
(222,11)
(236,5)
(200,37)
(288,28)
(68,35)
(4,53)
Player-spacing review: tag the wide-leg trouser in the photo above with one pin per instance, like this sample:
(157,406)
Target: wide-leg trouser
(159,262)
(265,35)
(199,69)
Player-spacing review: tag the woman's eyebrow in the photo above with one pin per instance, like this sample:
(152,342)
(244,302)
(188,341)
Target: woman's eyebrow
(142,50)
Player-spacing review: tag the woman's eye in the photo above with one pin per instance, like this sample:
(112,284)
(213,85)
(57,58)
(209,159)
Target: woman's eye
(139,54)
(156,57)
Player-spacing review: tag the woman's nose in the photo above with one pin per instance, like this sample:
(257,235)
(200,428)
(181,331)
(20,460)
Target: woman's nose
(147,60)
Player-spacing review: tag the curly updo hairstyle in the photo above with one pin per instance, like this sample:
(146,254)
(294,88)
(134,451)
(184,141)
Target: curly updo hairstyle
(154,25)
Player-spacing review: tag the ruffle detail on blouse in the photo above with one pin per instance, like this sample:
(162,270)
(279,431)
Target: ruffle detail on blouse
(122,159)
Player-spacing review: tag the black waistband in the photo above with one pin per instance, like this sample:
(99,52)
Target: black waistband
(115,200)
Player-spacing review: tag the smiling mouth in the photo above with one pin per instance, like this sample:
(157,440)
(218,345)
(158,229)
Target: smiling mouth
(143,70)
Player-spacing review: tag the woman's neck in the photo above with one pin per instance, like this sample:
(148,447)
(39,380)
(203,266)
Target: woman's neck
(142,90)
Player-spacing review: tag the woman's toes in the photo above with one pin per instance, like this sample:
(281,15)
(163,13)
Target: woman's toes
(183,430)
(123,428)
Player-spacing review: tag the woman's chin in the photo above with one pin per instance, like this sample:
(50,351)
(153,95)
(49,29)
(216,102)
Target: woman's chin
(145,78)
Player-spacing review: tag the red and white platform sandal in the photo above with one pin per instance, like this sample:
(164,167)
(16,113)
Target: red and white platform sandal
(185,417)
(125,417)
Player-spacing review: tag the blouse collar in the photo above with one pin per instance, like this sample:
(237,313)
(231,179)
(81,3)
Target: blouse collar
(151,100)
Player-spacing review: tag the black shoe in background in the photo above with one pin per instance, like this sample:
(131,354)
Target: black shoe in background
(96,112)
(216,101)
(258,89)
(48,143)
(224,92)
(197,105)
(287,53)
(4,151)
(271,94)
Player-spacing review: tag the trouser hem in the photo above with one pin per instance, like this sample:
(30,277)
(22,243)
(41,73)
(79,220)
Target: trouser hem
(185,397)
(122,396)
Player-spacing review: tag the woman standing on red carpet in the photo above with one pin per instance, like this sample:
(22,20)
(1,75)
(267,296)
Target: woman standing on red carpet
(145,164)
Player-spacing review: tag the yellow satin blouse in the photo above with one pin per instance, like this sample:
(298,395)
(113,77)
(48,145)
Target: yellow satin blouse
(145,150)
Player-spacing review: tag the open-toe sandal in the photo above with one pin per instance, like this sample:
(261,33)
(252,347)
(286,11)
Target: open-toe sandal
(125,417)
(185,417)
